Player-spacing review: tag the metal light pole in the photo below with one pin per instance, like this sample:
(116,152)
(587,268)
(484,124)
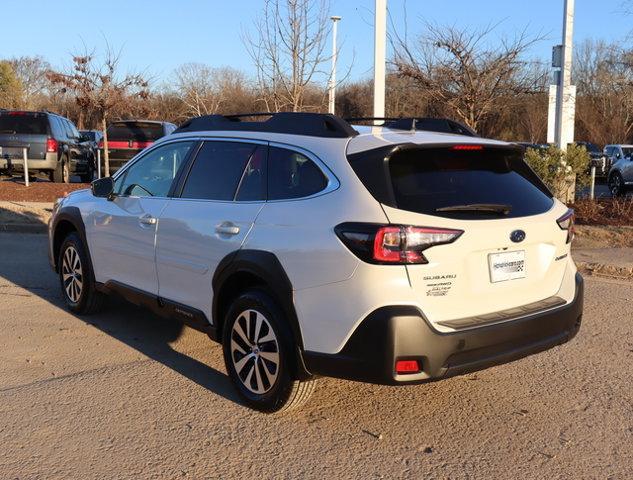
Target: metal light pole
(564,82)
(380,57)
(332,85)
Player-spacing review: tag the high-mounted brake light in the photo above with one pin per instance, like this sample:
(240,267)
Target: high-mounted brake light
(393,244)
(566,222)
(51,145)
(15,114)
(467,147)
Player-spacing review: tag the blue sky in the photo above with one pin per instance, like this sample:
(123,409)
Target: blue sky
(158,35)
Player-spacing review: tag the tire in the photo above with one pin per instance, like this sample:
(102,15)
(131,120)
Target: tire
(262,369)
(616,184)
(76,278)
(61,174)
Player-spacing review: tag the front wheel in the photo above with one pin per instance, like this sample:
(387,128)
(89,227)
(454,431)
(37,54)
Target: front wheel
(76,278)
(616,184)
(259,354)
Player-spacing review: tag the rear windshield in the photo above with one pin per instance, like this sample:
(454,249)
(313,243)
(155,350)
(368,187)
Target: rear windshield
(432,181)
(23,123)
(137,131)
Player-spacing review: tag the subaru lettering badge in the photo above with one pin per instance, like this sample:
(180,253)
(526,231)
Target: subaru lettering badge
(517,236)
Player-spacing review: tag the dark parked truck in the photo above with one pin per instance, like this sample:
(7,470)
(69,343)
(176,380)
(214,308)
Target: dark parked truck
(126,138)
(53,145)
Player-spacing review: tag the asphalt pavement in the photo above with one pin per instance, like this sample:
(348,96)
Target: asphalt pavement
(126,395)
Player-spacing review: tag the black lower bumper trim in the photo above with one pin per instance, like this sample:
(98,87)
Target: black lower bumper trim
(402,333)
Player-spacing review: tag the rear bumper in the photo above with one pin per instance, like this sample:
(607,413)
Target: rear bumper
(17,164)
(401,333)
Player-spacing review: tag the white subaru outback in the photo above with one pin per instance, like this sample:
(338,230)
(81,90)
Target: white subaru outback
(309,247)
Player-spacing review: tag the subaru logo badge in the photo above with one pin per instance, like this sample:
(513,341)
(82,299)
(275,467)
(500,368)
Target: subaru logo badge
(517,236)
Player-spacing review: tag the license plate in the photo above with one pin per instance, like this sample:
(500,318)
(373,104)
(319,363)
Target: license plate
(506,266)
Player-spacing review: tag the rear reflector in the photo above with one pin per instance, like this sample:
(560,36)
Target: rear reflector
(467,147)
(407,366)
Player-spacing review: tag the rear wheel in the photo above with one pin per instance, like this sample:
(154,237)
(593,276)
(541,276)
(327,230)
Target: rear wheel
(76,278)
(616,184)
(61,174)
(88,176)
(259,355)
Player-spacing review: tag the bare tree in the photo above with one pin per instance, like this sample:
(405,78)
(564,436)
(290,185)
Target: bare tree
(98,86)
(204,90)
(288,50)
(603,74)
(31,71)
(462,71)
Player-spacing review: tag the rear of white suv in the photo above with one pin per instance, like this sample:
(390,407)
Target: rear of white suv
(308,249)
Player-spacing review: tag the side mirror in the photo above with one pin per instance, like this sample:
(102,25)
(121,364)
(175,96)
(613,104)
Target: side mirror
(103,188)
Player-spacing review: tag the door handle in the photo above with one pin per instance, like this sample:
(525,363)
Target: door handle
(227,228)
(147,219)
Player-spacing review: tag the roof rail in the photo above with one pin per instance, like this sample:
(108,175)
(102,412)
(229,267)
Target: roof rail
(429,124)
(294,123)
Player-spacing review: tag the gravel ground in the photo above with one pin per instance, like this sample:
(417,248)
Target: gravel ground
(124,394)
(39,190)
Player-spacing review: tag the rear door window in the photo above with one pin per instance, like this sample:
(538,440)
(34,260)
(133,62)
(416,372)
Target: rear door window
(292,175)
(21,123)
(431,180)
(221,167)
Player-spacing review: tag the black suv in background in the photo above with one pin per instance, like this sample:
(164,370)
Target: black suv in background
(53,144)
(126,138)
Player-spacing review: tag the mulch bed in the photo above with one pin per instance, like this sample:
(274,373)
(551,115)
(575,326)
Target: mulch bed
(13,190)
(611,211)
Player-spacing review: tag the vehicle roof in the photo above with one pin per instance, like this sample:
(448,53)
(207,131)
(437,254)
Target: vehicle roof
(628,145)
(158,122)
(369,138)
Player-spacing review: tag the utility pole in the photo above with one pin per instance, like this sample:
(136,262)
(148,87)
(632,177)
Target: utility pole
(564,80)
(332,86)
(380,57)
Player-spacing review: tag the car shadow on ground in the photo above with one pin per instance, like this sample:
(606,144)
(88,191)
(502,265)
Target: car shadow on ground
(27,267)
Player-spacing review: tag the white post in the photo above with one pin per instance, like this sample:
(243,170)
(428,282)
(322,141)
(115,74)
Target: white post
(26,167)
(332,85)
(380,57)
(592,188)
(98,163)
(565,75)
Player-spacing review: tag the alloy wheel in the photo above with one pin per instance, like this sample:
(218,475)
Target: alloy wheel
(72,274)
(255,351)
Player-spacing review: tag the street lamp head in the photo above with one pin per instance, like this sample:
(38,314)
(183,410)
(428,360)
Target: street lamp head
(336,18)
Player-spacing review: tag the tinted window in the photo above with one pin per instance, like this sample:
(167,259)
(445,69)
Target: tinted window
(58,129)
(218,169)
(153,174)
(292,175)
(426,180)
(23,123)
(138,131)
(73,129)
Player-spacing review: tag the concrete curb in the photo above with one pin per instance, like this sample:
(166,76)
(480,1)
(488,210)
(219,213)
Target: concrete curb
(23,228)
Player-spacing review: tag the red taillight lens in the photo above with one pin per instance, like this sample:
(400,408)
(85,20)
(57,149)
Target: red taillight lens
(100,145)
(566,222)
(467,147)
(393,244)
(407,366)
(51,145)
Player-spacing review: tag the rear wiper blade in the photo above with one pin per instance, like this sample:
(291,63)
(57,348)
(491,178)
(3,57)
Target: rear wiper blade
(478,207)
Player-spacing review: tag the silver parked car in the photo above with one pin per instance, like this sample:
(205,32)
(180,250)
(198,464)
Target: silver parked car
(621,172)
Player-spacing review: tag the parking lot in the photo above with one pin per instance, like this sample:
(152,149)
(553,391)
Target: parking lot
(125,394)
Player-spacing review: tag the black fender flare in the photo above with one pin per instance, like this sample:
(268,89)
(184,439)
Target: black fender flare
(265,266)
(71,215)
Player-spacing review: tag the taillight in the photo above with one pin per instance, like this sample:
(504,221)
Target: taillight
(393,244)
(51,145)
(566,222)
(100,145)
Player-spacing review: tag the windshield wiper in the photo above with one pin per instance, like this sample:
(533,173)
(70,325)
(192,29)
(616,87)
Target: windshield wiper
(478,207)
